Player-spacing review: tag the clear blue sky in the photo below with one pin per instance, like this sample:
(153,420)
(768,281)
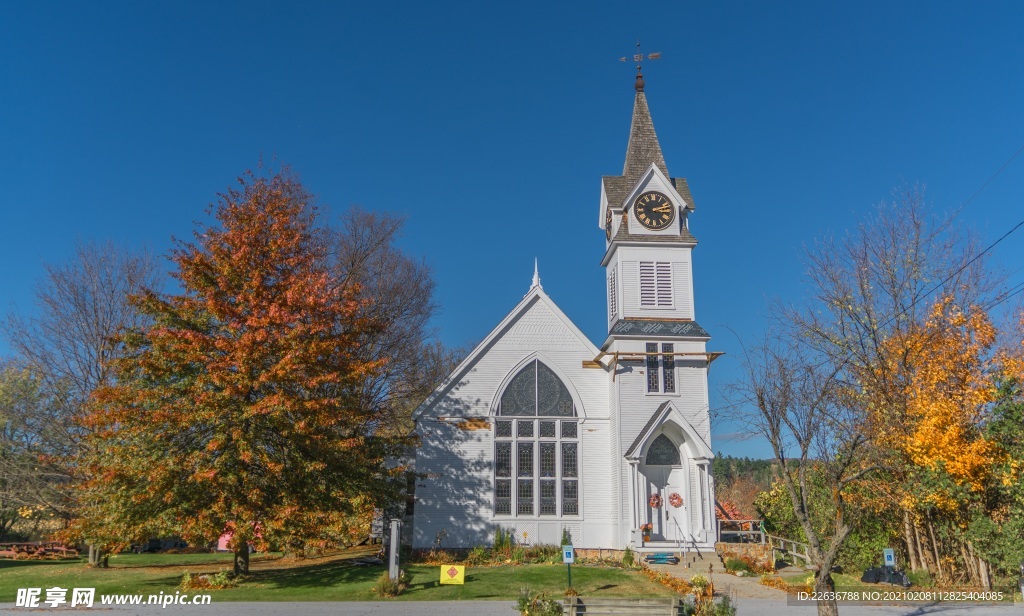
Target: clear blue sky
(478,121)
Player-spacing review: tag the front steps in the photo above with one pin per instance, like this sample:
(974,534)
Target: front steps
(696,562)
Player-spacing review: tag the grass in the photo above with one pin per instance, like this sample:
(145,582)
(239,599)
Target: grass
(850,583)
(323,579)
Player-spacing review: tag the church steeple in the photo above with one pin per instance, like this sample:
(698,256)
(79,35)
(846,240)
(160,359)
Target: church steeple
(643,148)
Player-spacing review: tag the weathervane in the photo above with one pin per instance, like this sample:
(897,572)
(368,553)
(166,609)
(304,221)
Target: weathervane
(638,57)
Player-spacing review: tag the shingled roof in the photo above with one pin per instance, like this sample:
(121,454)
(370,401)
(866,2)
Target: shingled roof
(643,150)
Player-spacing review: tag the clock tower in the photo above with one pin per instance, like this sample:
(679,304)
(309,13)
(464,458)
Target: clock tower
(655,349)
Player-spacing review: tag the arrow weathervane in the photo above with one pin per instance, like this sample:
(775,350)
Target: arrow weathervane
(638,57)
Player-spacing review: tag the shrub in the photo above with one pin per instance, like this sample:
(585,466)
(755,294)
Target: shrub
(736,564)
(220,580)
(518,555)
(627,557)
(529,604)
(699,581)
(722,607)
(549,554)
(478,556)
(386,587)
(566,537)
(502,540)
(921,578)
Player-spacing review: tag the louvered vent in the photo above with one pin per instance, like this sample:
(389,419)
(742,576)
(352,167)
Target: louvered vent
(613,297)
(655,284)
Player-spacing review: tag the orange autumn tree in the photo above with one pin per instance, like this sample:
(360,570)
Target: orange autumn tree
(234,411)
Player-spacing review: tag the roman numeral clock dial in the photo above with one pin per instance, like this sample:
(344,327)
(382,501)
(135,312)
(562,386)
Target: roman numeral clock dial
(654,211)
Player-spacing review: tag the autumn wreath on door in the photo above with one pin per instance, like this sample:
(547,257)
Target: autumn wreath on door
(654,501)
(675,500)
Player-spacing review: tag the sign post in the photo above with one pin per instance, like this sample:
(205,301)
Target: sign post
(568,559)
(396,534)
(890,557)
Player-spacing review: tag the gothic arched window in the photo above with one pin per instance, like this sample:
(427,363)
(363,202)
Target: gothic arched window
(663,452)
(536,446)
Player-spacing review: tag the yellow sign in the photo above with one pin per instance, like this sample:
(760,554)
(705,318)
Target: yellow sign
(453,574)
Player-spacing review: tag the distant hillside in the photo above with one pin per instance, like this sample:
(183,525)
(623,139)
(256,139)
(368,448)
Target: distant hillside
(738,481)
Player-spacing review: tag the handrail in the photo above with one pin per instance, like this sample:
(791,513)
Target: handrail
(742,529)
(782,547)
(679,542)
(696,549)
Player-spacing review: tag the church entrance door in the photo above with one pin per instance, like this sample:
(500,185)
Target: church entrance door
(668,522)
(675,517)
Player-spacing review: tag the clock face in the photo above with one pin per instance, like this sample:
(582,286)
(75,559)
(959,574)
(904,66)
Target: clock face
(608,223)
(654,210)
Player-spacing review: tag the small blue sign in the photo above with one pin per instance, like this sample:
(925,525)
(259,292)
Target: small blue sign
(567,555)
(890,557)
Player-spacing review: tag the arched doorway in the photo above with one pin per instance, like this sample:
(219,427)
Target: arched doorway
(664,475)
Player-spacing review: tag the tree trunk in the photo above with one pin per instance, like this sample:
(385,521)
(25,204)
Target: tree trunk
(92,555)
(824,585)
(970,565)
(986,579)
(926,557)
(242,559)
(935,548)
(908,538)
(983,576)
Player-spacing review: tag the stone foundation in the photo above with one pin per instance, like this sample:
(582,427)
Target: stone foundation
(761,553)
(601,554)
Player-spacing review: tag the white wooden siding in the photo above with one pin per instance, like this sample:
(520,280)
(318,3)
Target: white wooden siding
(457,494)
(628,264)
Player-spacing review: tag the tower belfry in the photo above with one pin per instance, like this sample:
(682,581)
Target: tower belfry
(657,350)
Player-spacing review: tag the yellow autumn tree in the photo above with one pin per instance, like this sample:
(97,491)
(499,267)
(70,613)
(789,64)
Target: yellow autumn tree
(948,393)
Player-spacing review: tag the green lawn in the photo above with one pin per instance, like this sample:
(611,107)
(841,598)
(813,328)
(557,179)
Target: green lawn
(328,579)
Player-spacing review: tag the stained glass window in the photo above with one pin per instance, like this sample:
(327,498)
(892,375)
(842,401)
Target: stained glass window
(663,452)
(547,459)
(570,497)
(525,497)
(668,368)
(525,461)
(569,465)
(548,500)
(652,367)
(536,454)
(503,497)
(553,398)
(536,390)
(503,459)
(520,397)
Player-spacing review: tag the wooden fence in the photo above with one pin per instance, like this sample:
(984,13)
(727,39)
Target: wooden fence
(788,547)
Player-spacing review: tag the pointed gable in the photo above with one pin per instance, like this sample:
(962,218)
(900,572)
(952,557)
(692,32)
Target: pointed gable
(535,324)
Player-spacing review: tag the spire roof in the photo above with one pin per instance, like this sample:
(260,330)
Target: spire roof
(643,148)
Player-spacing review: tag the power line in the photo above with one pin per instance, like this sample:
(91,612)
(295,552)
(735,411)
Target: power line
(989,180)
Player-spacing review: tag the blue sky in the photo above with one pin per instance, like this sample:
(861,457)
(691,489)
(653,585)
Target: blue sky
(479,122)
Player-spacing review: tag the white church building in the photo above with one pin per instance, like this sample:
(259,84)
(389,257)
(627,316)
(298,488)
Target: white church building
(540,430)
